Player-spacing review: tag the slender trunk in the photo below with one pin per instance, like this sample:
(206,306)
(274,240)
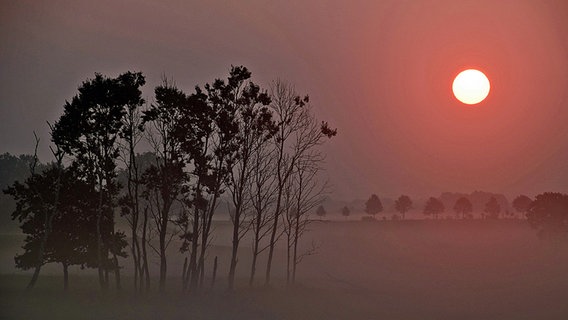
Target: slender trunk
(65,277)
(134,196)
(214,272)
(206,229)
(193,274)
(233,265)
(136,262)
(253,267)
(163,261)
(184,275)
(100,266)
(145,274)
(295,252)
(255,250)
(273,237)
(116,271)
(288,246)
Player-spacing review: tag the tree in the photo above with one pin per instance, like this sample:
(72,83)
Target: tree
(56,209)
(131,134)
(296,137)
(320,211)
(548,213)
(492,208)
(522,204)
(434,207)
(165,178)
(89,130)
(345,212)
(254,127)
(373,205)
(463,206)
(403,204)
(303,193)
(261,195)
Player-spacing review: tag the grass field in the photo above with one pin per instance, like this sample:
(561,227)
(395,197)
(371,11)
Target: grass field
(382,270)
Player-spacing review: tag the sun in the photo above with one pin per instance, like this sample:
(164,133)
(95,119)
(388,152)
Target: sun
(471,86)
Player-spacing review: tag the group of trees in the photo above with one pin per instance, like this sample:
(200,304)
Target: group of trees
(462,208)
(230,139)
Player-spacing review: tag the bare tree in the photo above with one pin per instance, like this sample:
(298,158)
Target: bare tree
(304,194)
(295,136)
(261,194)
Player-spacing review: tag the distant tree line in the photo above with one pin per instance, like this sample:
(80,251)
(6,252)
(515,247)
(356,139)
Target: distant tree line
(230,138)
(434,207)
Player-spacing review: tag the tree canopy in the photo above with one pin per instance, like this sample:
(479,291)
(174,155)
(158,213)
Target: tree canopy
(373,205)
(463,206)
(548,213)
(403,204)
(433,207)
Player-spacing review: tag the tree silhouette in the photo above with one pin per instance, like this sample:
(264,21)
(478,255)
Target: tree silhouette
(69,210)
(262,193)
(345,212)
(548,213)
(303,193)
(320,211)
(297,136)
(402,205)
(433,207)
(492,208)
(463,206)
(164,179)
(254,127)
(521,204)
(89,130)
(131,207)
(373,205)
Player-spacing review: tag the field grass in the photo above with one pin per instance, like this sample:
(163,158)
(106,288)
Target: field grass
(378,270)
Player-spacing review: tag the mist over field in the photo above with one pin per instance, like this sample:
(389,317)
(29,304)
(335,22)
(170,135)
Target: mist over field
(383,270)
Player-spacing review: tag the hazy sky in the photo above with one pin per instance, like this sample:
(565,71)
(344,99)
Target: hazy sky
(379,71)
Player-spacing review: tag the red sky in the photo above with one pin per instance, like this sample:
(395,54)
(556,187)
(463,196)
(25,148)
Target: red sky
(380,71)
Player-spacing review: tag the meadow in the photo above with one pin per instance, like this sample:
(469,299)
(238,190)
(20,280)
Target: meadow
(413,269)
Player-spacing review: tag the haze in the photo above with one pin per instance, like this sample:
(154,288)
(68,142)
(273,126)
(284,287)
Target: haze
(379,71)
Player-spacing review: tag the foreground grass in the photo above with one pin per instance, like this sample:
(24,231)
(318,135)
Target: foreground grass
(84,301)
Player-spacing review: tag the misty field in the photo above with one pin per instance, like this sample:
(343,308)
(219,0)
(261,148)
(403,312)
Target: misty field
(446,269)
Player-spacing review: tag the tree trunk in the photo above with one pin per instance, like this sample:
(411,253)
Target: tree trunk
(102,282)
(206,229)
(288,258)
(65,277)
(273,238)
(295,252)
(116,272)
(214,272)
(233,266)
(254,257)
(192,269)
(145,271)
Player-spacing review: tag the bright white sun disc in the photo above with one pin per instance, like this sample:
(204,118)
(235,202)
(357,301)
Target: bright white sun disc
(471,86)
